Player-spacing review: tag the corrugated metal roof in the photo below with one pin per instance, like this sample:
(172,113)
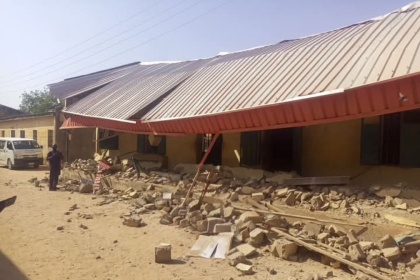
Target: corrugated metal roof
(77,85)
(363,53)
(126,96)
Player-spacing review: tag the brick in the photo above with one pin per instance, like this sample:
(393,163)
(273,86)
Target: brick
(402,206)
(276,221)
(211,222)
(312,229)
(323,236)
(246,249)
(163,253)
(284,249)
(257,196)
(215,213)
(305,196)
(281,193)
(208,207)
(366,245)
(226,227)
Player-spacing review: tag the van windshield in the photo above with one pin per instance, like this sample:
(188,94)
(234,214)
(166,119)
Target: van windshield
(25,144)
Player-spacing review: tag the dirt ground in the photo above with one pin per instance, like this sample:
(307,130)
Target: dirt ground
(31,247)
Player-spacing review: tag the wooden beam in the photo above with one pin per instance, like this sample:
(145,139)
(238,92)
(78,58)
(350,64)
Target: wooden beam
(331,255)
(314,220)
(311,181)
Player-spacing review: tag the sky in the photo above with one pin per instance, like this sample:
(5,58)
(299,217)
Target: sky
(45,41)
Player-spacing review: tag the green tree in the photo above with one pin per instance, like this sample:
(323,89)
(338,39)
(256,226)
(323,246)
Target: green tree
(37,101)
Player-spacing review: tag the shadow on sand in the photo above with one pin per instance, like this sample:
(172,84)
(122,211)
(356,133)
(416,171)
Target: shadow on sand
(8,270)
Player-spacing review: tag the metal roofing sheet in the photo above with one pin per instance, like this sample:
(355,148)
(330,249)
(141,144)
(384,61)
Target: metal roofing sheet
(363,53)
(127,96)
(76,85)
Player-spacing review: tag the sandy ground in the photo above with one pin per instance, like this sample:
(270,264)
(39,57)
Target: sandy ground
(31,247)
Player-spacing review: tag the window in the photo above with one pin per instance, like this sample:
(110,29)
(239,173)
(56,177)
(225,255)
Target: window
(3,133)
(50,138)
(9,145)
(35,135)
(12,134)
(25,144)
(143,145)
(22,134)
(391,139)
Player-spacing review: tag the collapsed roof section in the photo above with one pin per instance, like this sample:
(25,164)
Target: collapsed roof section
(76,85)
(295,82)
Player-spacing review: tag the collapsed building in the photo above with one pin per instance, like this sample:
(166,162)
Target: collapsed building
(336,109)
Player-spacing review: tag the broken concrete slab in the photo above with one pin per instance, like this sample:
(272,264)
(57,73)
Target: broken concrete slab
(86,188)
(276,221)
(184,223)
(322,237)
(243,173)
(279,178)
(228,212)
(351,235)
(234,197)
(366,245)
(193,206)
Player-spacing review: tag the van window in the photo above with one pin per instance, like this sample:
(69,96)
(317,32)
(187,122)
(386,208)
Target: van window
(9,145)
(2,144)
(25,144)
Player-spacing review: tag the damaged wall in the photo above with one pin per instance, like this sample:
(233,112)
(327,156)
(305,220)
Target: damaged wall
(334,149)
(181,149)
(81,145)
(231,148)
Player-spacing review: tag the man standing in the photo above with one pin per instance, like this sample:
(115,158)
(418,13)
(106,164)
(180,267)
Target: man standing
(54,157)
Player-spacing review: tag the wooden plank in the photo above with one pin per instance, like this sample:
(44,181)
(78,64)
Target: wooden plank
(331,255)
(310,181)
(314,220)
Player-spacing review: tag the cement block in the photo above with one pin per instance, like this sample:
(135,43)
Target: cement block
(250,216)
(236,258)
(202,225)
(284,249)
(163,253)
(257,237)
(184,223)
(246,249)
(211,222)
(258,196)
(226,227)
(392,253)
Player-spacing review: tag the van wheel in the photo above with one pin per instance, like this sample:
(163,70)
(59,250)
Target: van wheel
(10,164)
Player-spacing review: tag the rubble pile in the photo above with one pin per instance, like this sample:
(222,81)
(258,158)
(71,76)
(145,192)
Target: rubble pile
(83,165)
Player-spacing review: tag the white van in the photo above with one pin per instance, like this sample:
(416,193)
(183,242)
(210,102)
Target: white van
(20,152)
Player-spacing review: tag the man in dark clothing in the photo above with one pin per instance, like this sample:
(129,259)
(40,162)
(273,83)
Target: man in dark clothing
(54,157)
